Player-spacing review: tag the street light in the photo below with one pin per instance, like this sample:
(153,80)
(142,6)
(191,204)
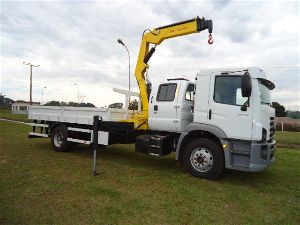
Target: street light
(31,65)
(122,43)
(77,91)
(43,94)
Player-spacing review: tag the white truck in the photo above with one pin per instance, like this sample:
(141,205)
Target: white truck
(223,119)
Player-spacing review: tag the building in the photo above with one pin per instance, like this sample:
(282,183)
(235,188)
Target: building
(21,107)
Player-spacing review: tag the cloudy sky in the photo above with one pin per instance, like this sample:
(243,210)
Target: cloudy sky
(74,42)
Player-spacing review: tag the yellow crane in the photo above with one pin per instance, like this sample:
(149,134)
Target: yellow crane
(156,37)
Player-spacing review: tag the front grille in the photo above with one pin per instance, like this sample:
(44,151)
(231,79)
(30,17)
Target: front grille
(272,128)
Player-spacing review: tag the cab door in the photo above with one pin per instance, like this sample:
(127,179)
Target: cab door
(224,108)
(185,101)
(163,107)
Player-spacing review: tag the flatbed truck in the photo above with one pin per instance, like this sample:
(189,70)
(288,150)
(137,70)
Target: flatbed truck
(223,119)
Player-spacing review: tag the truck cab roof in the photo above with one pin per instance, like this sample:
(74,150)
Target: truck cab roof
(255,72)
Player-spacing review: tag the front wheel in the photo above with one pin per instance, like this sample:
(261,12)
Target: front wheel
(204,158)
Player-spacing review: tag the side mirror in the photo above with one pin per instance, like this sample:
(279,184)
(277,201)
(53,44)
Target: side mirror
(246,85)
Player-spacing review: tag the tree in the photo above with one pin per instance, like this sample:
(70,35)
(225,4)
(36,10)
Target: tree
(5,102)
(279,109)
(72,104)
(86,105)
(133,105)
(293,114)
(53,103)
(116,105)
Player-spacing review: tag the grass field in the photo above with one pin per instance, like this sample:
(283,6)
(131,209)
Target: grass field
(288,138)
(6,114)
(40,186)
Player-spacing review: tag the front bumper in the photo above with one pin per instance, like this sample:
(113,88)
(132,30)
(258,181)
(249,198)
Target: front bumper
(249,156)
(262,155)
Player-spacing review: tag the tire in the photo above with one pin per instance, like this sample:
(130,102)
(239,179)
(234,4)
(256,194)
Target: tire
(59,137)
(203,158)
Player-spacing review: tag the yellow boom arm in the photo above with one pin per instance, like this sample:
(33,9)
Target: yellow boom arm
(156,37)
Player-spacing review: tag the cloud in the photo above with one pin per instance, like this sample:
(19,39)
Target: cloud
(76,43)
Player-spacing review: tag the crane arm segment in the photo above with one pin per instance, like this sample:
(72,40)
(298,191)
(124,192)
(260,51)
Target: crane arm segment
(156,37)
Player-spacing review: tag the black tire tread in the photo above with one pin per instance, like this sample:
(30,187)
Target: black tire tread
(66,145)
(218,166)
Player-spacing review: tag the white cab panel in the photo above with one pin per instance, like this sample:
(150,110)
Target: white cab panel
(201,99)
(171,105)
(224,107)
(163,107)
(185,104)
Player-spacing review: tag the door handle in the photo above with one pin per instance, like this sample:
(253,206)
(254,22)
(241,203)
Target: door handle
(209,114)
(155,108)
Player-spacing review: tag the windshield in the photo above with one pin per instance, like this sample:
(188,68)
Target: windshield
(265,93)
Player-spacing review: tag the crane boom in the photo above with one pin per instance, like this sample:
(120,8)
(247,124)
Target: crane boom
(156,37)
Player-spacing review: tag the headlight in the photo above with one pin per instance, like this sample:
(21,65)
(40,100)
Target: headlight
(264,152)
(264,135)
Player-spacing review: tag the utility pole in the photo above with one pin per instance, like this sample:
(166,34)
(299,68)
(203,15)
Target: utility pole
(31,65)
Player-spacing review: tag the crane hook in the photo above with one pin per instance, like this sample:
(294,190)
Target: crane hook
(210,40)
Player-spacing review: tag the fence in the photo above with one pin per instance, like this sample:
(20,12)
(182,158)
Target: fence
(287,124)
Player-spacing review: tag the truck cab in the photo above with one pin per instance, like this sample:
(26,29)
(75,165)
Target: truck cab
(219,102)
(214,107)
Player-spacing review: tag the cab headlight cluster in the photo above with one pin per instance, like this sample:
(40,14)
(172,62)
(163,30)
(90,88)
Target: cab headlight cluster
(264,135)
(264,152)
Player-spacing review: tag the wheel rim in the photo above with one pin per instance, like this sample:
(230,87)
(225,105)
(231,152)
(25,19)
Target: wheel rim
(58,139)
(202,159)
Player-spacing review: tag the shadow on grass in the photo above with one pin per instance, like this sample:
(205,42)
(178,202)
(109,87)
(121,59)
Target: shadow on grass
(125,155)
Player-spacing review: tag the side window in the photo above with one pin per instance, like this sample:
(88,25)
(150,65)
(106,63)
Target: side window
(189,94)
(240,100)
(23,108)
(228,90)
(166,92)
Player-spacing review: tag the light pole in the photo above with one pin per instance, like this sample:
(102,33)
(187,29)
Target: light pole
(43,94)
(77,91)
(31,65)
(122,43)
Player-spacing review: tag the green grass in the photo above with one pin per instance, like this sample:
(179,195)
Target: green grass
(6,114)
(289,138)
(40,186)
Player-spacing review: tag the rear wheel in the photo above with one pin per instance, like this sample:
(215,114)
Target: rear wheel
(59,139)
(204,158)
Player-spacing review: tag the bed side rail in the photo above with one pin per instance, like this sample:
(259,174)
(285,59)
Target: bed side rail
(44,128)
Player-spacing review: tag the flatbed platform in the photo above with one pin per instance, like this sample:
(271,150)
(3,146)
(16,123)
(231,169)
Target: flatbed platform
(78,115)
